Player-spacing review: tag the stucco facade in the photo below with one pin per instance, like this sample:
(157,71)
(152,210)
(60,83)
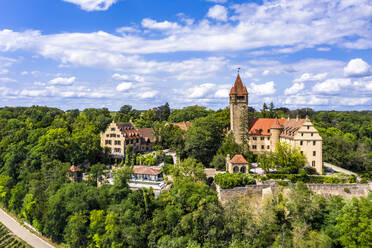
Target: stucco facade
(119,135)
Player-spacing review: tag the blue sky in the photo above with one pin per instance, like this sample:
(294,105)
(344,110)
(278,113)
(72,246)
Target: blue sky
(107,53)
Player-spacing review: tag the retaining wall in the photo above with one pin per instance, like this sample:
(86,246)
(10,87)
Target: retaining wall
(258,192)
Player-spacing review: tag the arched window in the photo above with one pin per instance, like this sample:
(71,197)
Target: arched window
(236,169)
(243,169)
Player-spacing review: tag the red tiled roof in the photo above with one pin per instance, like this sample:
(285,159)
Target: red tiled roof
(238,88)
(276,125)
(238,159)
(260,126)
(147,134)
(145,170)
(183,125)
(290,127)
(74,168)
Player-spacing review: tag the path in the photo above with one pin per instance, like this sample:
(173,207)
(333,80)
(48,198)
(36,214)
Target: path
(339,169)
(22,232)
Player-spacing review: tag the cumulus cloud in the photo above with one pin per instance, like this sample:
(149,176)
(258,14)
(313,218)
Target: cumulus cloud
(200,91)
(262,89)
(4,71)
(148,94)
(356,68)
(93,5)
(308,77)
(125,77)
(333,85)
(7,80)
(62,81)
(294,89)
(221,93)
(217,1)
(165,25)
(218,12)
(297,100)
(124,86)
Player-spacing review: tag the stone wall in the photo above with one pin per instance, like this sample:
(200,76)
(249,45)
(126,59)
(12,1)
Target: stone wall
(258,192)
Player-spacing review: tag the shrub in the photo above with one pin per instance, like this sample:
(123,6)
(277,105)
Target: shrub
(228,181)
(347,190)
(168,159)
(364,180)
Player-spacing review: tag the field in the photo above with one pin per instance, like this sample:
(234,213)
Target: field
(8,239)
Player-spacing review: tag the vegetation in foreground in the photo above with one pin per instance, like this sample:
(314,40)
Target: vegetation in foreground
(9,240)
(38,144)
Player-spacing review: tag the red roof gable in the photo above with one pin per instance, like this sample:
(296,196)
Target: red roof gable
(238,159)
(238,88)
(261,126)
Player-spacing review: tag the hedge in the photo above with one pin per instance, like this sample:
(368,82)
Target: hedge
(228,181)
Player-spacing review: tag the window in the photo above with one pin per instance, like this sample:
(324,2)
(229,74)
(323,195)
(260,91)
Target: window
(268,147)
(268,130)
(262,138)
(107,135)
(302,134)
(112,135)
(117,142)
(268,138)
(254,147)
(262,147)
(117,150)
(302,152)
(243,169)
(236,169)
(308,127)
(112,129)
(312,134)
(301,143)
(313,163)
(107,142)
(314,142)
(254,138)
(314,153)
(240,97)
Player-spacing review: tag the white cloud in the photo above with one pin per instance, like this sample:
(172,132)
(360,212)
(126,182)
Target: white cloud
(92,5)
(124,77)
(363,84)
(165,25)
(124,86)
(349,101)
(262,89)
(24,73)
(218,12)
(217,1)
(200,91)
(265,73)
(148,94)
(222,93)
(62,81)
(127,30)
(7,80)
(308,77)
(4,71)
(294,89)
(298,100)
(331,85)
(357,68)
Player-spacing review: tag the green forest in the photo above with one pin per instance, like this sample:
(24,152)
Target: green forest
(39,144)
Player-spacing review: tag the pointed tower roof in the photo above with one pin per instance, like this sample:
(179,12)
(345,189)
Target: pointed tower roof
(276,125)
(238,88)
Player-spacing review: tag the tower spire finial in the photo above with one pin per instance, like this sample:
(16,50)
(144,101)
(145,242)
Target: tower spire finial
(238,69)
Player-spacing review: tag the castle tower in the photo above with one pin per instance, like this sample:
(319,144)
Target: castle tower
(275,131)
(238,107)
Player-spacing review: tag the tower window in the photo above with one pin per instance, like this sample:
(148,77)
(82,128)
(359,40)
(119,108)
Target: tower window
(240,97)
(313,163)
(314,142)
(301,143)
(262,147)
(308,127)
(314,153)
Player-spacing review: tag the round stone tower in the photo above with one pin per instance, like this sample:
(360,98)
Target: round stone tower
(238,108)
(275,131)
